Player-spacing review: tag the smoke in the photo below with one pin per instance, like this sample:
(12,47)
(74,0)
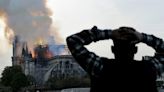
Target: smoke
(30,19)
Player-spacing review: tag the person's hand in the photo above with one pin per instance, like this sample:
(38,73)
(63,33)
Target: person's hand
(123,33)
(138,36)
(128,34)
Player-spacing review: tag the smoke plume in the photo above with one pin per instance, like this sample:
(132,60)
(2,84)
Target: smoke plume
(30,19)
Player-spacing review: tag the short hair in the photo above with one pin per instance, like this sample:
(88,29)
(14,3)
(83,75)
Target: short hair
(127,42)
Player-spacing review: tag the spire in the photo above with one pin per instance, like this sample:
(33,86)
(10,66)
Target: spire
(23,52)
(26,47)
(15,45)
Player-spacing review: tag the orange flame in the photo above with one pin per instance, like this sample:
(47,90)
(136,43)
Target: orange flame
(48,54)
(43,51)
(40,41)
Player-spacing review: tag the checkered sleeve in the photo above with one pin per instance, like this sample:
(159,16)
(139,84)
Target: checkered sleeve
(158,45)
(89,61)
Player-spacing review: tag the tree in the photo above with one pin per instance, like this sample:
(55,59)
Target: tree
(19,81)
(14,77)
(8,73)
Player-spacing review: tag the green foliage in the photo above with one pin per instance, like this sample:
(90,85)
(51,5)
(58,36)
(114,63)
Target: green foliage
(19,80)
(8,73)
(55,83)
(14,78)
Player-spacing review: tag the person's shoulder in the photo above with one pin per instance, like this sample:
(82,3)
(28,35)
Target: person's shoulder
(147,58)
(149,61)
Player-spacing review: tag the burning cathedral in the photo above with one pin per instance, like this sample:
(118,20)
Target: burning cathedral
(25,21)
(45,61)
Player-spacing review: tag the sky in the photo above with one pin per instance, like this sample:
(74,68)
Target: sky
(72,16)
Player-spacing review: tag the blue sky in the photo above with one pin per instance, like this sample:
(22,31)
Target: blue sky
(72,16)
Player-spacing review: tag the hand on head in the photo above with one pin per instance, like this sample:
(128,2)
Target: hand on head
(127,34)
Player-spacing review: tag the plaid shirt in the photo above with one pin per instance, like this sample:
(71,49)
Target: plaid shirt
(93,63)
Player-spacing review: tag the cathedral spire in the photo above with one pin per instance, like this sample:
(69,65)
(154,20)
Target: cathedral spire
(25,51)
(26,47)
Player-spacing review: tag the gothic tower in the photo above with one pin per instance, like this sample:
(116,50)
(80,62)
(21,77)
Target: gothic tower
(16,45)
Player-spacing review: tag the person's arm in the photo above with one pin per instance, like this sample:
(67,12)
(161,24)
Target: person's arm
(87,60)
(158,45)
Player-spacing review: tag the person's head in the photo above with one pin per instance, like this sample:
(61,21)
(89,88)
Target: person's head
(124,49)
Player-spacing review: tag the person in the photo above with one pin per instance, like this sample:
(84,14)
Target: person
(122,74)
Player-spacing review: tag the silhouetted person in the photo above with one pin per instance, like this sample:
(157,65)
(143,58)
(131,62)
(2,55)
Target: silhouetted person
(122,74)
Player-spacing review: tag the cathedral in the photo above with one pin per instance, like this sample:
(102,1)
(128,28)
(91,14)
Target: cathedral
(42,64)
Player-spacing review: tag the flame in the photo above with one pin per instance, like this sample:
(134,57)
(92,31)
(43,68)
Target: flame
(48,54)
(40,41)
(42,51)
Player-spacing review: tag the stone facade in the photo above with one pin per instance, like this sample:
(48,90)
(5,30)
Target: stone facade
(41,68)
